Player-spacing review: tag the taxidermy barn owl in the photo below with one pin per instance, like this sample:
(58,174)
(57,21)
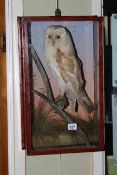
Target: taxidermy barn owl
(65,65)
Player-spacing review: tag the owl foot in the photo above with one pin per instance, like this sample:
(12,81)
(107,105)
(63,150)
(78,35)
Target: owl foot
(61,102)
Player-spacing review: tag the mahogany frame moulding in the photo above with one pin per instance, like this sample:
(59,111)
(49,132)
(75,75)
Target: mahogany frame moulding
(25,85)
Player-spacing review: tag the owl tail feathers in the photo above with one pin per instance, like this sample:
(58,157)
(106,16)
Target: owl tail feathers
(73,105)
(85,102)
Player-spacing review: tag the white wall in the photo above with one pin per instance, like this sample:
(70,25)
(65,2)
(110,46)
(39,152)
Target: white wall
(47,7)
(70,164)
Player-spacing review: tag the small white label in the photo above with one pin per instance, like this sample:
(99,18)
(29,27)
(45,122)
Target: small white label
(72,126)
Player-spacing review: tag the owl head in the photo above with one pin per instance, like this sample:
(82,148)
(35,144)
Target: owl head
(57,36)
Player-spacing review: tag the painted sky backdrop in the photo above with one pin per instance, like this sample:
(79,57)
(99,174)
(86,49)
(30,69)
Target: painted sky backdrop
(82,33)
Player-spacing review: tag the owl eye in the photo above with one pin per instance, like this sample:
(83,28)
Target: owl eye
(49,36)
(58,36)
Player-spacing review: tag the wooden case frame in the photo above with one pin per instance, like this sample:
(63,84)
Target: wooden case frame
(54,136)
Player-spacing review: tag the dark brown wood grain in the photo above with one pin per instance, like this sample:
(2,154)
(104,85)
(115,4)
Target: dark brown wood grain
(3,102)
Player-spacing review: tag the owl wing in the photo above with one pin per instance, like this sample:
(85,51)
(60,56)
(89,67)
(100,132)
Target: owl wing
(70,70)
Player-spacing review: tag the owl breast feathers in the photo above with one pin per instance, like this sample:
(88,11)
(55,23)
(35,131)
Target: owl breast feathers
(63,61)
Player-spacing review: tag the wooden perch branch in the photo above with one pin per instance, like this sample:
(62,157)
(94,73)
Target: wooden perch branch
(55,107)
(50,96)
(43,74)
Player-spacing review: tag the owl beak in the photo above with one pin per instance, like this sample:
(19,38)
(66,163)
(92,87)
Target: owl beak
(53,42)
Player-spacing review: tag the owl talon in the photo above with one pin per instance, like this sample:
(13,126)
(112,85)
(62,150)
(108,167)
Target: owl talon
(61,102)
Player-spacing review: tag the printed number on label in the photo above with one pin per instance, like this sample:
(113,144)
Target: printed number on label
(72,126)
